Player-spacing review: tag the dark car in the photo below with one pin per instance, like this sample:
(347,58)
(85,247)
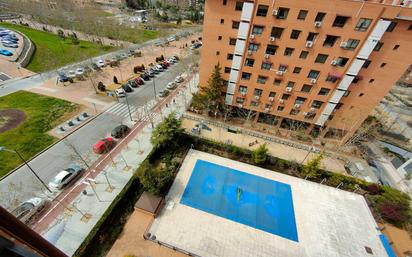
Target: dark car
(127,88)
(139,81)
(145,76)
(120,131)
(176,57)
(132,83)
(164,66)
(64,78)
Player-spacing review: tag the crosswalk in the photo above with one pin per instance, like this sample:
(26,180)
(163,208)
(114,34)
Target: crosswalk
(138,113)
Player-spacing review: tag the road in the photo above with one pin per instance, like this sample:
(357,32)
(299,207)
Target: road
(22,184)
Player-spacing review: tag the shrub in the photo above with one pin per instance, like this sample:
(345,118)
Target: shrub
(373,189)
(311,169)
(260,155)
(167,132)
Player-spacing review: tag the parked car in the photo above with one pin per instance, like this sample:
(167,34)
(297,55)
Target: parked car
(71,74)
(11,45)
(64,177)
(179,79)
(132,83)
(120,131)
(171,85)
(176,57)
(164,66)
(127,88)
(104,145)
(145,76)
(123,56)
(171,60)
(5,52)
(100,63)
(120,92)
(63,78)
(106,62)
(171,39)
(163,93)
(139,81)
(165,62)
(151,73)
(159,67)
(29,209)
(79,71)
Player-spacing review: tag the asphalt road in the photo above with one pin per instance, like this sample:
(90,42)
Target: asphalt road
(22,184)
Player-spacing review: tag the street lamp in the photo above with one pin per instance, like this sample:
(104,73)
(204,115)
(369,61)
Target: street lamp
(2,148)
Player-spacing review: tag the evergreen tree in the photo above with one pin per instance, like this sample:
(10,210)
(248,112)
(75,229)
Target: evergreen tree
(260,154)
(311,169)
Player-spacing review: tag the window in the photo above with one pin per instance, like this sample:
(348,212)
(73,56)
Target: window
(262,10)
(227,69)
(295,34)
(285,97)
(277,82)
(257,30)
(391,26)
(272,94)
(371,80)
(253,47)
(235,24)
(316,104)
(321,58)
(253,103)
(271,49)
(282,13)
(366,64)
(303,54)
(378,46)
(229,57)
(246,75)
(266,66)
(383,65)
(311,36)
(281,108)
(332,78)
(217,52)
(297,70)
(351,44)
(340,21)
(294,111)
(300,100)
(276,32)
(396,47)
(363,24)
(257,92)
(313,74)
(290,84)
(222,21)
(324,91)
(302,14)
(249,62)
(239,6)
(242,89)
(330,41)
(232,41)
(282,67)
(306,88)
(342,61)
(361,94)
(261,79)
(320,16)
(240,100)
(410,27)
(289,51)
(219,38)
(224,2)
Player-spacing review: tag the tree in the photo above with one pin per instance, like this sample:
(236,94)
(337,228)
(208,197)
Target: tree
(311,169)
(260,155)
(60,34)
(167,132)
(179,20)
(74,39)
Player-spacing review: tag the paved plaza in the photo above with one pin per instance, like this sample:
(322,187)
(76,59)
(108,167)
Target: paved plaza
(322,228)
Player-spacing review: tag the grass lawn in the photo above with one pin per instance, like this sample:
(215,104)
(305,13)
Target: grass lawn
(52,52)
(30,137)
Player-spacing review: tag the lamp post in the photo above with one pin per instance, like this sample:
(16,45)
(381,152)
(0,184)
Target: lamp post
(2,148)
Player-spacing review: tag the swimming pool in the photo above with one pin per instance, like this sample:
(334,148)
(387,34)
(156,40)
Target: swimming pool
(241,197)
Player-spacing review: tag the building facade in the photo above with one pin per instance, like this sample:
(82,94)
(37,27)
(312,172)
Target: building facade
(319,65)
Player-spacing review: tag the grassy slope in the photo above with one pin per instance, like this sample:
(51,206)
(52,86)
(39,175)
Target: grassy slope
(30,137)
(52,52)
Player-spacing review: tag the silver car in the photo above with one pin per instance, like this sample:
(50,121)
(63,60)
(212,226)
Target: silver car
(29,209)
(64,177)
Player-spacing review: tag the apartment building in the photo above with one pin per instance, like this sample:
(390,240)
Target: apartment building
(317,65)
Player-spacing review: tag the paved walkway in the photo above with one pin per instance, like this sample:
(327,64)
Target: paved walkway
(72,214)
(278,150)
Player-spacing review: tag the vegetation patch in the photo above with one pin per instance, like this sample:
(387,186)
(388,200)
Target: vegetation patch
(30,137)
(53,52)
(10,118)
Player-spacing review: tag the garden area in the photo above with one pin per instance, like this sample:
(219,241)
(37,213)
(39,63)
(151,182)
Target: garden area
(53,51)
(25,119)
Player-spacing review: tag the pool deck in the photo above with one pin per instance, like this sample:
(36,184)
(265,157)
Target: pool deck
(330,222)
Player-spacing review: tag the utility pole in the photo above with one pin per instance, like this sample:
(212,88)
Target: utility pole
(128,108)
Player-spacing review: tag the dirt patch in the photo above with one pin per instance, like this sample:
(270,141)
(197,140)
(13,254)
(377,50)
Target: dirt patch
(11,118)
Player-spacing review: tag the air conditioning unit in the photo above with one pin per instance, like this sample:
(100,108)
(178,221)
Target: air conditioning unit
(313,81)
(243,93)
(257,97)
(275,12)
(249,52)
(280,72)
(281,101)
(271,39)
(271,99)
(266,110)
(240,105)
(305,113)
(343,44)
(309,44)
(334,62)
(297,106)
(312,109)
(252,36)
(266,56)
(318,24)
(288,89)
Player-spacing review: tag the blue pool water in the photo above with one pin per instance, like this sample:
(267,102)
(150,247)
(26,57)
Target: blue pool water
(241,197)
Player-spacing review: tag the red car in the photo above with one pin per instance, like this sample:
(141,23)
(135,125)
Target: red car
(166,63)
(139,81)
(104,145)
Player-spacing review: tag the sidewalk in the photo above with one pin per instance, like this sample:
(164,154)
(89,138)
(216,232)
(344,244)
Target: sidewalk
(275,149)
(67,227)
